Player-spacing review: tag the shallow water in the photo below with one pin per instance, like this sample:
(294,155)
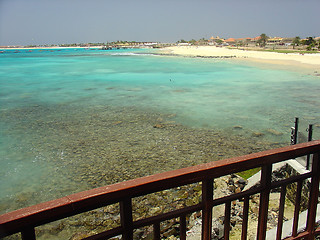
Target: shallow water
(76,119)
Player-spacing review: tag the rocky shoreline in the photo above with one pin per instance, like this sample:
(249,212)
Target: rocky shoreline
(97,146)
(192,56)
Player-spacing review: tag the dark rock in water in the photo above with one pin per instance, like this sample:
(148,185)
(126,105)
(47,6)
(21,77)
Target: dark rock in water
(274,132)
(179,90)
(158,126)
(238,127)
(117,122)
(257,134)
(302,138)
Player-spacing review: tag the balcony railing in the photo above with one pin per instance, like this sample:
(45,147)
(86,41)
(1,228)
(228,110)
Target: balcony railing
(27,219)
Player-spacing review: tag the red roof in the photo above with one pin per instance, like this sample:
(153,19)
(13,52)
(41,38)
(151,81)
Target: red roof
(230,40)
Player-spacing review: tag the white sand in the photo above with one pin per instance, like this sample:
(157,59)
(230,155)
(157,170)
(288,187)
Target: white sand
(288,59)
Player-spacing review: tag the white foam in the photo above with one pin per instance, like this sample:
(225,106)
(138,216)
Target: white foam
(130,54)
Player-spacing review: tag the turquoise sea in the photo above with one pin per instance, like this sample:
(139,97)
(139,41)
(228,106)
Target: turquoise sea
(73,119)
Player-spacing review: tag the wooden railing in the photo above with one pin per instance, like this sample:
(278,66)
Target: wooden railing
(27,219)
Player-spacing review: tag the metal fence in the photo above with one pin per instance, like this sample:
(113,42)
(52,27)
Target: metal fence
(27,219)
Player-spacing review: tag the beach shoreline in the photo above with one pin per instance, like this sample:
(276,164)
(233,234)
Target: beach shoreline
(307,63)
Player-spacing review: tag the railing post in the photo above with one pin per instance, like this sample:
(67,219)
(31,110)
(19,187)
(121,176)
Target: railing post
(264,201)
(28,234)
(245,218)
(310,130)
(156,231)
(294,132)
(281,211)
(183,227)
(207,196)
(297,209)
(227,214)
(314,194)
(126,219)
(296,125)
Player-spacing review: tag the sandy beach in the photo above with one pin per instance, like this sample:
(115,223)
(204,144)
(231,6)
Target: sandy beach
(281,60)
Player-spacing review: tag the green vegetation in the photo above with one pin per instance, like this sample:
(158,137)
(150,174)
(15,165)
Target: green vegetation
(182,41)
(201,41)
(192,41)
(219,41)
(288,51)
(242,43)
(310,42)
(248,173)
(30,46)
(296,42)
(263,40)
(69,45)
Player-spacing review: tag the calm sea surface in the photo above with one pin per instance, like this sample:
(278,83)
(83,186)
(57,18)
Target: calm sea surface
(73,119)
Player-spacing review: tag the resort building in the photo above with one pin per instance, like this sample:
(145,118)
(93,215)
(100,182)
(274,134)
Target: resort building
(231,41)
(216,40)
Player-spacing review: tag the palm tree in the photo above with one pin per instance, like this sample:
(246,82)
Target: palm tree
(311,43)
(263,40)
(193,41)
(296,41)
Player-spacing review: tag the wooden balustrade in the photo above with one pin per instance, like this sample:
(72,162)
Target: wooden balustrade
(27,219)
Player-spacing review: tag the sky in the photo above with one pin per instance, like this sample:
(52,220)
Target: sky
(37,22)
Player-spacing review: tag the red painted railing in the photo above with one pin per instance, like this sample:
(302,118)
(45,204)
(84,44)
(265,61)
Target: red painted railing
(27,219)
